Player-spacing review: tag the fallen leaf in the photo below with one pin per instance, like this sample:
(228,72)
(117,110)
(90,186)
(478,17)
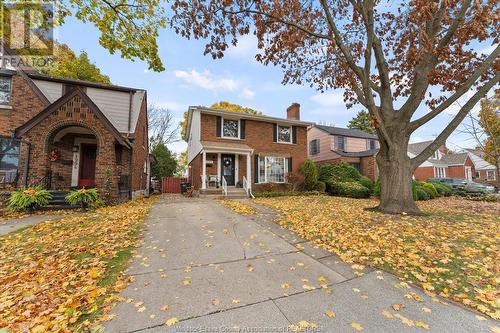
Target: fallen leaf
(357,326)
(171,321)
(398,306)
(330,313)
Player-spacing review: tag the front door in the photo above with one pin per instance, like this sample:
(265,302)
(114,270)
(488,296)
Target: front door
(228,169)
(87,165)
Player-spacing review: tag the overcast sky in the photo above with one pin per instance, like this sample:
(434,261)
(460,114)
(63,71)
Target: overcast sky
(193,79)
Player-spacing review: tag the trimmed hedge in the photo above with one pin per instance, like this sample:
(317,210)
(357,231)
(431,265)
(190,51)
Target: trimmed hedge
(421,194)
(320,186)
(430,189)
(350,189)
(344,180)
(310,173)
(274,194)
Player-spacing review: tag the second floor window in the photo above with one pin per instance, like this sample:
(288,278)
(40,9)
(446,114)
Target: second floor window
(340,143)
(284,134)
(314,147)
(435,155)
(5,89)
(230,128)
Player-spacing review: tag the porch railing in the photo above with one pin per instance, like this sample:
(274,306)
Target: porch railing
(247,187)
(224,186)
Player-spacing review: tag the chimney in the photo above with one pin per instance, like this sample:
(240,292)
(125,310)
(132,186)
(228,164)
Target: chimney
(443,149)
(293,112)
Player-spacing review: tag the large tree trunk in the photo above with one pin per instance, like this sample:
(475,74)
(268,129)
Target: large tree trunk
(396,173)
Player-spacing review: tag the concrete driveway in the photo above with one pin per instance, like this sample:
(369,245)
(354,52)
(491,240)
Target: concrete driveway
(216,271)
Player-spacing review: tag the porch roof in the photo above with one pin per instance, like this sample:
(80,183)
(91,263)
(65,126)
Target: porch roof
(217,146)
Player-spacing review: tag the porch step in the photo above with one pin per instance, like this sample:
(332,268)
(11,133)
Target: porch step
(236,193)
(58,201)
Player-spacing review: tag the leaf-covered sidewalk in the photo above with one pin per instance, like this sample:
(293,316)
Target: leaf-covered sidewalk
(453,252)
(61,275)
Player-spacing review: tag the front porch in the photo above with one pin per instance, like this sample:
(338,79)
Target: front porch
(224,167)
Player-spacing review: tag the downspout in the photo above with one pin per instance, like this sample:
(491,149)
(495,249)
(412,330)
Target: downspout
(129,112)
(130,172)
(27,163)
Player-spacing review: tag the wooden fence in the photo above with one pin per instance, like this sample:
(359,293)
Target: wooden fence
(172,184)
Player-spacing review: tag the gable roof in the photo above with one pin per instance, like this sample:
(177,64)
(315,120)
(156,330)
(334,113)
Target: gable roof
(121,105)
(455,159)
(477,158)
(417,147)
(60,102)
(355,133)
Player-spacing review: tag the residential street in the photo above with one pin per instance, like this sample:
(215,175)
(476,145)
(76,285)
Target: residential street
(217,271)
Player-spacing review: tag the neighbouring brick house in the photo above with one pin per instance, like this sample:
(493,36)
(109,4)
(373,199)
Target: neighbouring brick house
(244,150)
(484,172)
(442,163)
(328,144)
(65,134)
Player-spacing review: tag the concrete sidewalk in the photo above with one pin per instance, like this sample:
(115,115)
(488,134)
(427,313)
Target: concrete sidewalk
(7,226)
(216,271)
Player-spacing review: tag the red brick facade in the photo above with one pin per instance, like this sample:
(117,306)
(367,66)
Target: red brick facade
(452,171)
(424,173)
(118,164)
(24,105)
(259,137)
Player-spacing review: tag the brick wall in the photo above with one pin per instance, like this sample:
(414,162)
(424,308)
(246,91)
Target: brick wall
(423,173)
(25,105)
(140,150)
(369,167)
(73,113)
(259,136)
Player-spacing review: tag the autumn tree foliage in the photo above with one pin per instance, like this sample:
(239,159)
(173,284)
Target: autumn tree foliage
(362,121)
(386,55)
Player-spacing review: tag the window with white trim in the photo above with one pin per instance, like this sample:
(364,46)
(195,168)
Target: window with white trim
(230,128)
(440,172)
(435,155)
(5,89)
(284,134)
(491,175)
(340,143)
(272,169)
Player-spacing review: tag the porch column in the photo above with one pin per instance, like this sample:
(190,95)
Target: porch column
(249,171)
(204,171)
(219,180)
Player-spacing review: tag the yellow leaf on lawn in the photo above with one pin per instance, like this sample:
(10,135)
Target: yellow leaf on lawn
(94,273)
(387,314)
(172,321)
(330,313)
(357,326)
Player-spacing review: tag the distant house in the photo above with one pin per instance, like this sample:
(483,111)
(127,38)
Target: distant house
(442,163)
(228,149)
(485,172)
(328,144)
(64,134)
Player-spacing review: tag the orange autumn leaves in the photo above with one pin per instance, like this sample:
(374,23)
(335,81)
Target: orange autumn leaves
(452,252)
(58,275)
(238,207)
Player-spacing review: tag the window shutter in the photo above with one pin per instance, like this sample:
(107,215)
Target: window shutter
(275,132)
(256,169)
(242,128)
(294,134)
(290,165)
(219,126)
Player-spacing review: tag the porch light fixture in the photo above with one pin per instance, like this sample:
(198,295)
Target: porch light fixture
(75,149)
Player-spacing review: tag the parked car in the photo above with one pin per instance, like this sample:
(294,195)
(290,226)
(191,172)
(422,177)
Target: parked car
(455,183)
(477,187)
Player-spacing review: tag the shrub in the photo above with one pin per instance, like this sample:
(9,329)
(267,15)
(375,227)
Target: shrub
(350,189)
(273,194)
(341,172)
(320,186)
(366,182)
(421,194)
(430,189)
(29,198)
(308,169)
(84,198)
(442,189)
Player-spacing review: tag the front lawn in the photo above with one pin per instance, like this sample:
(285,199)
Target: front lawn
(61,275)
(453,252)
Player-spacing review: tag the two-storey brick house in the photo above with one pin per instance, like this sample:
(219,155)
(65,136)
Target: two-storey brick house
(329,144)
(65,134)
(244,150)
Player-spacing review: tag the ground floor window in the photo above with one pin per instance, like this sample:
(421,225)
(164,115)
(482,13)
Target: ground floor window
(9,160)
(272,169)
(490,175)
(440,172)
